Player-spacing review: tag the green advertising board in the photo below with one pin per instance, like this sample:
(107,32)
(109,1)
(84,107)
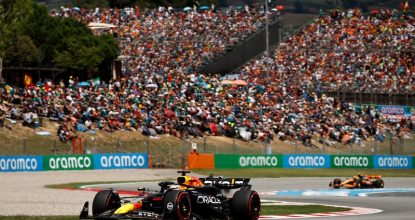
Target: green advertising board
(351,161)
(68,162)
(247,161)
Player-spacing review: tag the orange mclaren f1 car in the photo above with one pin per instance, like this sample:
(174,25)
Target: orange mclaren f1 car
(358,182)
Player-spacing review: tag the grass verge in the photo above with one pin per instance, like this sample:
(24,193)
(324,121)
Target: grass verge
(79,184)
(280,172)
(265,210)
(24,217)
(299,209)
(271,173)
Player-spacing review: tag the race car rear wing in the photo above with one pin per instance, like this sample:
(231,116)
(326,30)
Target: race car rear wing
(227,183)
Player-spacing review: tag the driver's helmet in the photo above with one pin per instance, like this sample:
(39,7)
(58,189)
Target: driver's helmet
(186,182)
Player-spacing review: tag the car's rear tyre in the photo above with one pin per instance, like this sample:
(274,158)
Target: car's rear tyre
(105,200)
(245,205)
(176,205)
(336,183)
(379,183)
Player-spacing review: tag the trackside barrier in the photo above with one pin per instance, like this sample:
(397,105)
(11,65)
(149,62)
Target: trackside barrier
(232,161)
(306,161)
(201,161)
(393,162)
(68,162)
(74,162)
(248,161)
(351,161)
(21,163)
(120,161)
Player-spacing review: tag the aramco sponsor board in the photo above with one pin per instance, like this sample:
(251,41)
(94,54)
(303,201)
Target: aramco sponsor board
(20,163)
(351,161)
(306,161)
(120,161)
(247,161)
(392,162)
(68,162)
(221,161)
(230,161)
(73,162)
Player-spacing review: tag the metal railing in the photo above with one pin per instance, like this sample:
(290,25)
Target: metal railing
(402,99)
(172,152)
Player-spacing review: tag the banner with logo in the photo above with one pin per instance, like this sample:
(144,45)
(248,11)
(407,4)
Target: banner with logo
(247,161)
(120,161)
(392,162)
(20,163)
(394,110)
(306,161)
(351,161)
(68,162)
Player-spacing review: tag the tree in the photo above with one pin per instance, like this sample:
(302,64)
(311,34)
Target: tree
(13,14)
(29,36)
(21,51)
(77,48)
(47,41)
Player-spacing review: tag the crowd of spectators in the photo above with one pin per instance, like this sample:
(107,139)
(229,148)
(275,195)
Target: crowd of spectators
(162,96)
(161,40)
(349,51)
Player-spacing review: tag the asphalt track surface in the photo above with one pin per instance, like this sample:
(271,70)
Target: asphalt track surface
(25,193)
(394,205)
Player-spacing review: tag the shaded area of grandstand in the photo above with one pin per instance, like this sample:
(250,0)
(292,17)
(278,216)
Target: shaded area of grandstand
(235,56)
(375,98)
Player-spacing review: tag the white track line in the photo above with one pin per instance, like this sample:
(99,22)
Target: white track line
(353,211)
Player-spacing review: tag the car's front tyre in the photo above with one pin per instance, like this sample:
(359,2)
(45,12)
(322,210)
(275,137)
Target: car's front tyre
(176,205)
(245,205)
(105,200)
(336,183)
(379,183)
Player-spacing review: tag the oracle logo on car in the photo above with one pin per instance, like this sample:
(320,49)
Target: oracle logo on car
(306,161)
(208,200)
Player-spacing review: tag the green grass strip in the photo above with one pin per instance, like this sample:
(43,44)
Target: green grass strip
(23,217)
(299,209)
(79,184)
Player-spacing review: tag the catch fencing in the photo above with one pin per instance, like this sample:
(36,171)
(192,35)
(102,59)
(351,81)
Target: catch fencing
(172,152)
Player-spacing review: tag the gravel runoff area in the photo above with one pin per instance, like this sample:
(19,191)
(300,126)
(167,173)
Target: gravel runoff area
(25,193)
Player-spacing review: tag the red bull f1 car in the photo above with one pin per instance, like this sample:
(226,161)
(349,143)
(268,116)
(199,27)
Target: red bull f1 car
(359,182)
(190,198)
